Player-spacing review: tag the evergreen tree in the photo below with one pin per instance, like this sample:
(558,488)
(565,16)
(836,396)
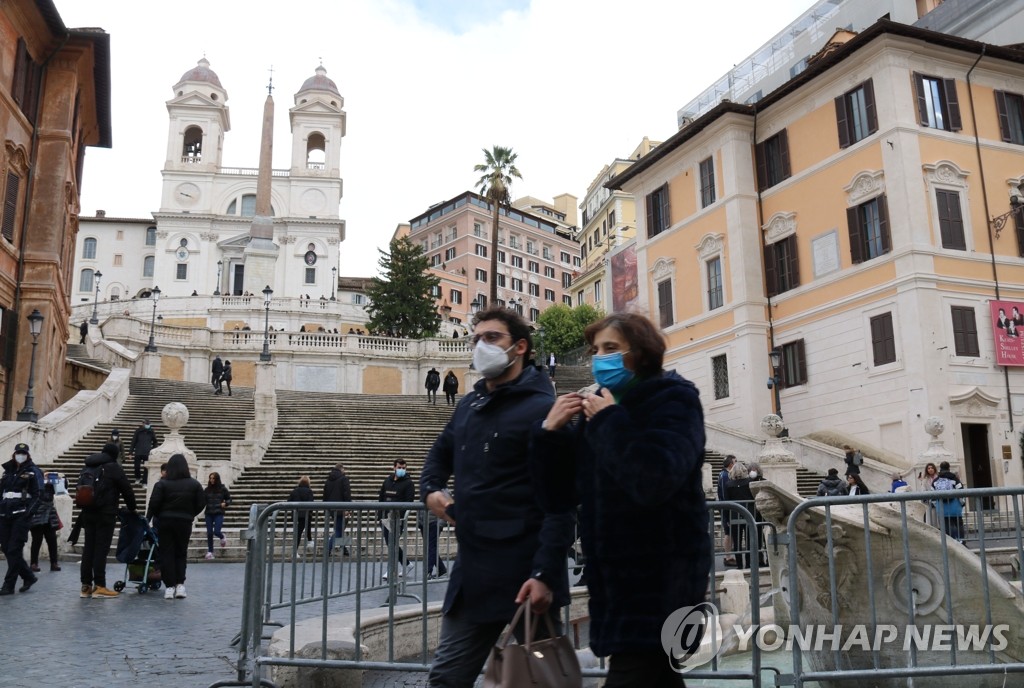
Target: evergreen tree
(400,298)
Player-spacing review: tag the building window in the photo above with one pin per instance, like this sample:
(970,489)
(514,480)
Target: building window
(883,342)
(549,271)
(85,283)
(456,296)
(565,257)
(597,291)
(1010,108)
(794,364)
(937,103)
(147,266)
(773,160)
(534,266)
(534,289)
(481,250)
(89,248)
(478,230)
(720,376)
(855,114)
(965,331)
(120,235)
(576,261)
(118,260)
(782,266)
(481,275)
(435,291)
(951,222)
(181,273)
(549,295)
(248,205)
(611,214)
(501,280)
(534,314)
(310,276)
(450,253)
(548,255)
(566,280)
(435,260)
(517,261)
(869,229)
(707,182)
(517,284)
(150,236)
(482,300)
(10,209)
(530,248)
(659,216)
(501,256)
(360,299)
(715,296)
(665,303)
(567,300)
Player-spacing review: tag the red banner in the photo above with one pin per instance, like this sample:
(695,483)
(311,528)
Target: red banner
(1008,332)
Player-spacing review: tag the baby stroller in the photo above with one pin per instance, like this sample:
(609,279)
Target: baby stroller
(137,545)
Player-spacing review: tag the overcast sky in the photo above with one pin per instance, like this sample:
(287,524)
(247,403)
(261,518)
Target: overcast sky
(568,84)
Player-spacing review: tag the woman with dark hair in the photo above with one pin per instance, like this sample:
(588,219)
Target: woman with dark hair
(856,483)
(630,454)
(176,501)
(218,498)
(303,519)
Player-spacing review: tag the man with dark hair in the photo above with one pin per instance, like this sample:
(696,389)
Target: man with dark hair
(143,442)
(83,331)
(723,480)
(216,370)
(21,485)
(337,488)
(98,520)
(397,487)
(509,549)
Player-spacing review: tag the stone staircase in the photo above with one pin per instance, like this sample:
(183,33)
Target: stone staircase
(572,378)
(78,354)
(806,481)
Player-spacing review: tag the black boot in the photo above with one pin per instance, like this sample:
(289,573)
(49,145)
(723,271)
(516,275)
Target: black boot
(28,584)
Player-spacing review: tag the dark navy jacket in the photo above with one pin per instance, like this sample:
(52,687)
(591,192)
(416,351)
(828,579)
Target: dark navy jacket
(504,536)
(634,469)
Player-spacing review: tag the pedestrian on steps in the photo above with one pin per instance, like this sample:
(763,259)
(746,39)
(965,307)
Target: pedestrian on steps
(144,441)
(176,501)
(337,488)
(216,370)
(97,521)
(451,387)
(218,499)
(83,331)
(432,383)
(225,377)
(303,519)
(397,487)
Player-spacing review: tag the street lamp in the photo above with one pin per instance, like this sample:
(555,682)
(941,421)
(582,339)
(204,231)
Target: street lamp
(1016,206)
(334,282)
(94,320)
(775,356)
(151,347)
(220,266)
(267,293)
(474,306)
(35,325)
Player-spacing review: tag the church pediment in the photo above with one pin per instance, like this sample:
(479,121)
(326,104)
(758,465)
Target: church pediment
(194,98)
(239,241)
(316,107)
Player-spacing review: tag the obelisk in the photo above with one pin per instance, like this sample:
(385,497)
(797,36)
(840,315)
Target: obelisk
(261,253)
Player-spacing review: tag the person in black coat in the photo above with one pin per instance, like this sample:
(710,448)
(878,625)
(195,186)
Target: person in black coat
(20,487)
(225,377)
(144,441)
(176,501)
(218,499)
(216,370)
(337,488)
(630,453)
(737,489)
(397,487)
(83,331)
(97,521)
(450,387)
(432,382)
(45,523)
(506,541)
(303,519)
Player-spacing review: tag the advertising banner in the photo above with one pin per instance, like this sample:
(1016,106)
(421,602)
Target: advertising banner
(1008,332)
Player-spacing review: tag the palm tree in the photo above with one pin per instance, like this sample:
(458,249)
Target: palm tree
(496,184)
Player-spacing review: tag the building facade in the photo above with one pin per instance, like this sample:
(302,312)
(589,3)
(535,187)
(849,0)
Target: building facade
(860,221)
(54,103)
(537,255)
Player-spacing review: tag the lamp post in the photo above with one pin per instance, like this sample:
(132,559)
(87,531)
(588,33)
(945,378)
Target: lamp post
(474,306)
(35,325)
(95,320)
(220,266)
(265,354)
(775,356)
(1016,206)
(151,347)
(334,282)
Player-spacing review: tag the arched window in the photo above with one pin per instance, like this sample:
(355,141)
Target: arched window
(316,152)
(147,266)
(150,236)
(248,205)
(89,248)
(192,148)
(85,284)
(115,293)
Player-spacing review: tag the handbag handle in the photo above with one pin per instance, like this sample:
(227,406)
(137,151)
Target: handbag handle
(530,628)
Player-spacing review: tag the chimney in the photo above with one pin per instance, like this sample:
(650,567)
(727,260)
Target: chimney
(101,213)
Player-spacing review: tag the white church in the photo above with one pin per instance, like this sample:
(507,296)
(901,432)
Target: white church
(228,230)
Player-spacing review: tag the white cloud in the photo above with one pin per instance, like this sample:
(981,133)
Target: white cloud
(568,84)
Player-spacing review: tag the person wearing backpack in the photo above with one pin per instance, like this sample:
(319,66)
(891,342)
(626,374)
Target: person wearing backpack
(20,486)
(950,509)
(451,388)
(176,501)
(854,460)
(832,485)
(433,381)
(108,484)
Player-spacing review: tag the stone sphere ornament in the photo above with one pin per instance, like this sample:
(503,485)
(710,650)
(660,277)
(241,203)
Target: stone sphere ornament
(934,426)
(175,416)
(771,425)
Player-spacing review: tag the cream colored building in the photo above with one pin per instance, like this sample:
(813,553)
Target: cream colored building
(862,236)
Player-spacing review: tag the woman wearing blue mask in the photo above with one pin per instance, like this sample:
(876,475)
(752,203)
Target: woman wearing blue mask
(630,455)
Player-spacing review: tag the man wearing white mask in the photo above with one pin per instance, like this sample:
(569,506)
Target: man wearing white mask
(21,484)
(509,548)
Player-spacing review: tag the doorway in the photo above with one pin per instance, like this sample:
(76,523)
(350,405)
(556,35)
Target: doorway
(239,281)
(977,458)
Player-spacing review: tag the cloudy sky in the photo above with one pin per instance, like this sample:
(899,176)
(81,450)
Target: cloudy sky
(568,84)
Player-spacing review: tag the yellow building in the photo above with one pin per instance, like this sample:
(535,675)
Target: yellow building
(846,220)
(609,222)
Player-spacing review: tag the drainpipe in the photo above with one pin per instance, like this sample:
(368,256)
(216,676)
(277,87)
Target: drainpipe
(988,214)
(9,391)
(760,234)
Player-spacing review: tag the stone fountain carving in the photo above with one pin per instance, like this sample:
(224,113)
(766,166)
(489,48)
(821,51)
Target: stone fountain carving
(777,463)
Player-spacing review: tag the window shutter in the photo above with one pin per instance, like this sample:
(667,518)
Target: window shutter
(793,262)
(856,235)
(869,106)
(883,223)
(841,122)
(784,153)
(951,224)
(10,205)
(922,103)
(876,339)
(650,216)
(762,166)
(21,62)
(1018,223)
(952,104)
(666,214)
(801,361)
(665,302)
(771,272)
(1004,116)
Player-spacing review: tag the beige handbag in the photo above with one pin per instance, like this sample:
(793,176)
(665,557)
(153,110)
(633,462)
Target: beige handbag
(548,663)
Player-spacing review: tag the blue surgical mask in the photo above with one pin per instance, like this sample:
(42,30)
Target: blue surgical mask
(399,472)
(609,370)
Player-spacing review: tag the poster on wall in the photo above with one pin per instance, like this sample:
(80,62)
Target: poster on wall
(625,286)
(1008,332)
